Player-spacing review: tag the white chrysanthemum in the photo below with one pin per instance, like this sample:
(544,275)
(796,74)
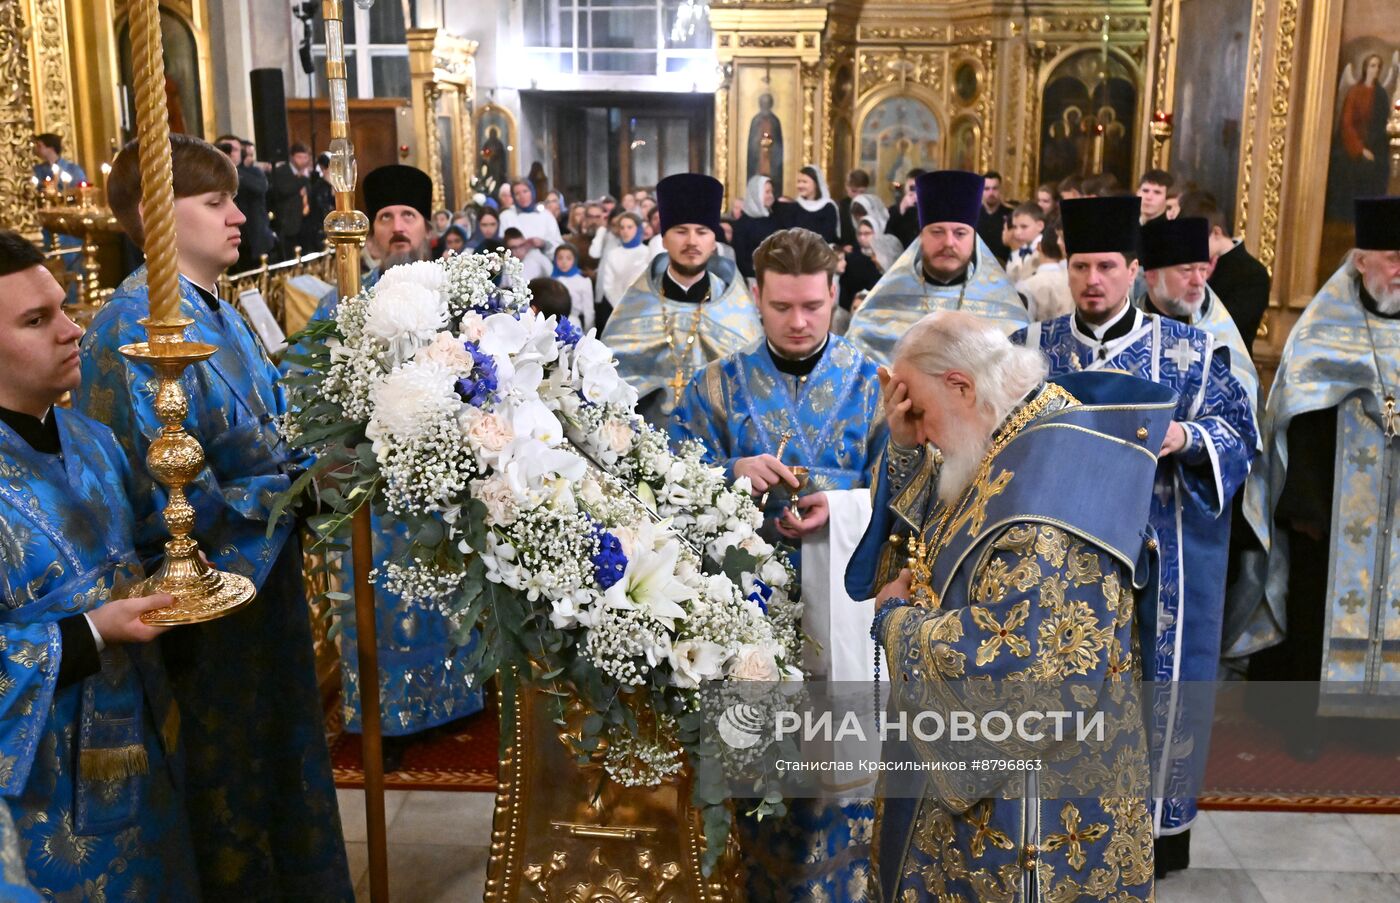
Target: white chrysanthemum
(427,273)
(409,401)
(404,316)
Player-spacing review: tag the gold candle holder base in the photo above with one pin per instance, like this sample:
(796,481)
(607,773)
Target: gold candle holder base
(175,458)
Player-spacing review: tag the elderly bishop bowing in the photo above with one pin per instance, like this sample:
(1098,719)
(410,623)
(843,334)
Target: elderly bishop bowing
(1021,579)
(690,307)
(1204,461)
(801,396)
(1329,493)
(947,268)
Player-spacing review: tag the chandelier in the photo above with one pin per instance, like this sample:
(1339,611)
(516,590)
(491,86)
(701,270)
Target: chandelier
(689,15)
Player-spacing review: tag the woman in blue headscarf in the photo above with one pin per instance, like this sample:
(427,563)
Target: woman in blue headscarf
(537,224)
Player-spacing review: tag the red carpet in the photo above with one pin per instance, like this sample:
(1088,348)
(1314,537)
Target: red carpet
(1250,767)
(465,756)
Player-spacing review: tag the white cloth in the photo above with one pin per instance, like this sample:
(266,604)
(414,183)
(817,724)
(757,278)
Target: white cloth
(875,211)
(656,247)
(1047,291)
(539,223)
(580,299)
(620,268)
(841,647)
(753,197)
(535,265)
(603,242)
(1021,267)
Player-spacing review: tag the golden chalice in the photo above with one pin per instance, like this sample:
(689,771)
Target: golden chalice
(803,479)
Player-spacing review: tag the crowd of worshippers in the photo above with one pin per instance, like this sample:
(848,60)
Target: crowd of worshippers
(192,762)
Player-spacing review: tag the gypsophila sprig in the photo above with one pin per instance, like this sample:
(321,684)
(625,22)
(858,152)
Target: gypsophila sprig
(540,510)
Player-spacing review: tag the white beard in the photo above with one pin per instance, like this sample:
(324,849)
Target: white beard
(1386,296)
(960,462)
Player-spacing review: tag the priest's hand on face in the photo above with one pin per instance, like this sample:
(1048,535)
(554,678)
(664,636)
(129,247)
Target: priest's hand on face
(119,620)
(898,588)
(903,428)
(1175,440)
(764,472)
(814,514)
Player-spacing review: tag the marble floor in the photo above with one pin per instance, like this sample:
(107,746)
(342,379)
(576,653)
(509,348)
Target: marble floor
(438,849)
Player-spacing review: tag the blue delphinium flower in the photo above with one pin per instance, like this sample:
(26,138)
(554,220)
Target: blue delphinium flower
(609,562)
(566,332)
(762,592)
(480,385)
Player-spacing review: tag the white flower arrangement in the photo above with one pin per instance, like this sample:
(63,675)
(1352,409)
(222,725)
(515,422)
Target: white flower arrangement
(542,511)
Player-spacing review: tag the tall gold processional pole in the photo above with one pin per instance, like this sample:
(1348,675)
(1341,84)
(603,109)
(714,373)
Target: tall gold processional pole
(174,457)
(346,229)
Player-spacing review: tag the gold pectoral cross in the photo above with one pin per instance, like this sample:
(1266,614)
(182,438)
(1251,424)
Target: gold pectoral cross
(677,384)
(1390,419)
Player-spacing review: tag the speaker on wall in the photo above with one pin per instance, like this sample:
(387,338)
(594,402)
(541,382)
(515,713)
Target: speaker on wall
(269,114)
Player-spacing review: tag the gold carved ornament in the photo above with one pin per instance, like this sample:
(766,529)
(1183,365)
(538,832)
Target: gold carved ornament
(16,122)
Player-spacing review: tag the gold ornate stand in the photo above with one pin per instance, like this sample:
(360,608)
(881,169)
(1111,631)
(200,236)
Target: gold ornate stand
(565,832)
(88,223)
(174,457)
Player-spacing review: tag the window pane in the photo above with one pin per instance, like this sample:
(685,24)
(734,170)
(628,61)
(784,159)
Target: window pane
(390,76)
(547,24)
(699,38)
(351,74)
(646,140)
(386,23)
(552,61)
(675,146)
(622,61)
(631,29)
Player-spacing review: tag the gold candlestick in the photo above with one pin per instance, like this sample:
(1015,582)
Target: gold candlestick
(175,457)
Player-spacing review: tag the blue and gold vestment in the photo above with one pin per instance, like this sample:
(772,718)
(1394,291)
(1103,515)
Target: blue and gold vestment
(903,296)
(1029,582)
(1190,513)
(741,406)
(649,358)
(1337,356)
(90,770)
(262,803)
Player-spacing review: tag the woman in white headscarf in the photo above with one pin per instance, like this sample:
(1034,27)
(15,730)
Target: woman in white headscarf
(863,205)
(814,209)
(875,253)
(756,223)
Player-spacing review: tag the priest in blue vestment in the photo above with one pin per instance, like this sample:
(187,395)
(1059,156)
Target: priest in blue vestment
(800,396)
(1022,573)
(1204,461)
(1328,492)
(423,674)
(89,738)
(947,268)
(690,307)
(263,809)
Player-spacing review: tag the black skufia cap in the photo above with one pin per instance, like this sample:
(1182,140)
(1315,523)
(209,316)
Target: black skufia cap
(1101,225)
(689,198)
(395,185)
(1172,242)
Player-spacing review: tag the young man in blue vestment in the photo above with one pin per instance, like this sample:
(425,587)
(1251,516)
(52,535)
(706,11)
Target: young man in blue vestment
(262,804)
(1203,462)
(690,307)
(89,733)
(947,268)
(802,396)
(422,672)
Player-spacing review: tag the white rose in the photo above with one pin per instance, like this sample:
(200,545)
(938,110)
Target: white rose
(473,326)
(448,350)
(773,573)
(490,433)
(618,436)
(754,663)
(727,503)
(502,507)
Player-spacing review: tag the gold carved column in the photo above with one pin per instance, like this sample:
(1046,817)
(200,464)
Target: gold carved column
(773,85)
(443,71)
(1155,117)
